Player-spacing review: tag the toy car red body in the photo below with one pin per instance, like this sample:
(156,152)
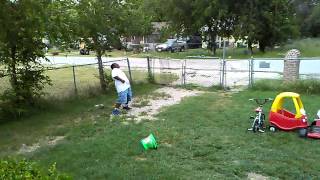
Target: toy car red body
(283,119)
(280,118)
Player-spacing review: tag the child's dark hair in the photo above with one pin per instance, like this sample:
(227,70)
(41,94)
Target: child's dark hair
(113,65)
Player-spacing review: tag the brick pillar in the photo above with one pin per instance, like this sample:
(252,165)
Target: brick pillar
(291,70)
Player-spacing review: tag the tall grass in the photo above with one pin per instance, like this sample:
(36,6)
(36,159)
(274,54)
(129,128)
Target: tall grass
(310,86)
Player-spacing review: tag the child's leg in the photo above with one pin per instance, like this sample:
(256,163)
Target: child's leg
(129,96)
(122,99)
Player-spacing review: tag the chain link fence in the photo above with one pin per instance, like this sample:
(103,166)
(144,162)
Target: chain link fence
(68,80)
(211,71)
(272,68)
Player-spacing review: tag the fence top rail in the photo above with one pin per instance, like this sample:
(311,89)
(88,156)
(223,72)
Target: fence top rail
(301,59)
(202,57)
(227,59)
(81,65)
(71,66)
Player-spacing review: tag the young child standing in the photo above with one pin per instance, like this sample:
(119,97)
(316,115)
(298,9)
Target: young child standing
(123,87)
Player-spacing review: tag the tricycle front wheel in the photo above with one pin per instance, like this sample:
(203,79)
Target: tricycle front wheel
(272,128)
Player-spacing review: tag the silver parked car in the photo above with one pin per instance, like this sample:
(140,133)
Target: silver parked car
(172,45)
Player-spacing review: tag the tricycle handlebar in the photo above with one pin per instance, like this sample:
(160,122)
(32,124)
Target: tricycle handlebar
(261,101)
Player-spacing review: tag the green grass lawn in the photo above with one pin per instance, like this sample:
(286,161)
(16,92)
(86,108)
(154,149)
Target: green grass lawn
(204,137)
(56,118)
(309,48)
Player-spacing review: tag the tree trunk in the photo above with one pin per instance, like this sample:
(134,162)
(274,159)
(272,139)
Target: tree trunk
(262,46)
(13,71)
(250,47)
(101,72)
(213,45)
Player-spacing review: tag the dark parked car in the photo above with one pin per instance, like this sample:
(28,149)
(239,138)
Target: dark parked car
(194,42)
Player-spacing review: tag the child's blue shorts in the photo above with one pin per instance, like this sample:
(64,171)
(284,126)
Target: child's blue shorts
(125,96)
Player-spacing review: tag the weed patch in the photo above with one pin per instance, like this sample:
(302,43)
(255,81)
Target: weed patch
(310,86)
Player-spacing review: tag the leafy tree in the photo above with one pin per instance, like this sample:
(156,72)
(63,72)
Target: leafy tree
(155,10)
(212,18)
(61,24)
(26,25)
(266,22)
(303,10)
(102,23)
(313,20)
(21,48)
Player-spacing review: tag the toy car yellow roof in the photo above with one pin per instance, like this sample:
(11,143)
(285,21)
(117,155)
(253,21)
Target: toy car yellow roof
(288,94)
(279,100)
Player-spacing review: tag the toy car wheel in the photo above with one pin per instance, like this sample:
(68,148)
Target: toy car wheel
(302,132)
(272,128)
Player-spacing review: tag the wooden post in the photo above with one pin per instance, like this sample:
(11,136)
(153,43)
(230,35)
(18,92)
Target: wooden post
(129,68)
(74,81)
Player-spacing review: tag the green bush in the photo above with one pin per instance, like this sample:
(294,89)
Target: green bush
(25,170)
(310,86)
(109,81)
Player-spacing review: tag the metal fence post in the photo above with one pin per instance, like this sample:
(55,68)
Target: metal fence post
(129,68)
(185,70)
(251,71)
(182,73)
(150,75)
(224,73)
(220,72)
(224,76)
(74,80)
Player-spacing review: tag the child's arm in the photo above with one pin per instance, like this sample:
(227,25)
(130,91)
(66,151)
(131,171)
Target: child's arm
(117,78)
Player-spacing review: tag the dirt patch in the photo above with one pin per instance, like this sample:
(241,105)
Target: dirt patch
(165,144)
(48,141)
(140,158)
(54,141)
(254,176)
(163,97)
(28,149)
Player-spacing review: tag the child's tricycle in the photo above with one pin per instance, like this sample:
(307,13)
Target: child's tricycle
(313,131)
(281,118)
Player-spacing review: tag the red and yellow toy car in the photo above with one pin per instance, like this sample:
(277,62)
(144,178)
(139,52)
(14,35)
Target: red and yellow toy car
(280,118)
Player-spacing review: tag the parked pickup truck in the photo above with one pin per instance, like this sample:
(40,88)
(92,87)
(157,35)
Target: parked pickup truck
(172,45)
